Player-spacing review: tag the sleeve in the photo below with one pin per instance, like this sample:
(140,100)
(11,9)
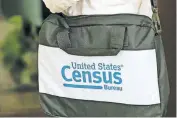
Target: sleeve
(56,6)
(146,8)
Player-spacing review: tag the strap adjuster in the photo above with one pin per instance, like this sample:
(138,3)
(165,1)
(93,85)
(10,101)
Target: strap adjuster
(156,21)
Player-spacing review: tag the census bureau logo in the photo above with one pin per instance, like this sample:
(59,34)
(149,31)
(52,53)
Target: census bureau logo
(92,76)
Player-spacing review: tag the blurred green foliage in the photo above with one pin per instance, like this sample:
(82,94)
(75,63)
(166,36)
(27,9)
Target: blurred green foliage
(19,53)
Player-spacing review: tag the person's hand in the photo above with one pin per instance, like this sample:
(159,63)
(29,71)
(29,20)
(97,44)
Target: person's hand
(56,6)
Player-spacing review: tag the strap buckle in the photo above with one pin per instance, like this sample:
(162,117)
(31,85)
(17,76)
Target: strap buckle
(156,21)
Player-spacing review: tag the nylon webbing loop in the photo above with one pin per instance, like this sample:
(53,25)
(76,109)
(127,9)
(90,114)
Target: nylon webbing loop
(155,17)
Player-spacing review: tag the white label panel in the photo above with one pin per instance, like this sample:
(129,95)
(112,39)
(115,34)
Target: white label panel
(128,78)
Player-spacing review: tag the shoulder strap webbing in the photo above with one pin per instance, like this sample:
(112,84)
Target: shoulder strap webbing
(155,17)
(154,3)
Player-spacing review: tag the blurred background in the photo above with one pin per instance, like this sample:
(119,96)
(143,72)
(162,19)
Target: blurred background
(20,21)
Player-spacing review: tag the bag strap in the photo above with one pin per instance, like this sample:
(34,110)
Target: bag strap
(155,17)
(154,3)
(116,43)
(63,39)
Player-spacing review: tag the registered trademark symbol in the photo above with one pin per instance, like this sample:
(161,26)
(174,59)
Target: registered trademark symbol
(122,65)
